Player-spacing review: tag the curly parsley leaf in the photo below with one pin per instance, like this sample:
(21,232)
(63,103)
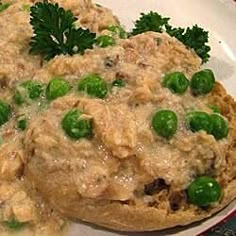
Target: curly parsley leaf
(195,37)
(150,22)
(55,32)
(175,32)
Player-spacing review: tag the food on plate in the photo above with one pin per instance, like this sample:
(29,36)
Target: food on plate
(123,130)
(142,150)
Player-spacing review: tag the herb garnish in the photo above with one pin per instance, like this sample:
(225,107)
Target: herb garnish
(55,32)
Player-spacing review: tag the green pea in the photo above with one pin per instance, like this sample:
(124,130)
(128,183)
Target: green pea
(176,82)
(104,41)
(4,6)
(118,83)
(76,126)
(199,120)
(220,126)
(93,85)
(15,224)
(117,29)
(5,112)
(22,124)
(29,89)
(57,87)
(215,108)
(19,98)
(204,191)
(34,88)
(202,82)
(165,123)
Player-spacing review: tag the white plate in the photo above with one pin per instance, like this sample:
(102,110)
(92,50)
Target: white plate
(219,18)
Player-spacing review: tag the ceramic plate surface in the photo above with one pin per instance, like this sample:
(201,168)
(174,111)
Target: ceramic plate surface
(219,18)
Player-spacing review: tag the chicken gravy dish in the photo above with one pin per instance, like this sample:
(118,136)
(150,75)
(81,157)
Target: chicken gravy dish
(129,133)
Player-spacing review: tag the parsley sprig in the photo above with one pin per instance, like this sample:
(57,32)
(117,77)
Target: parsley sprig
(195,37)
(55,32)
(150,22)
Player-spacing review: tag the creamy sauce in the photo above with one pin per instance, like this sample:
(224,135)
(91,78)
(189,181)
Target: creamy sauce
(125,153)
(42,169)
